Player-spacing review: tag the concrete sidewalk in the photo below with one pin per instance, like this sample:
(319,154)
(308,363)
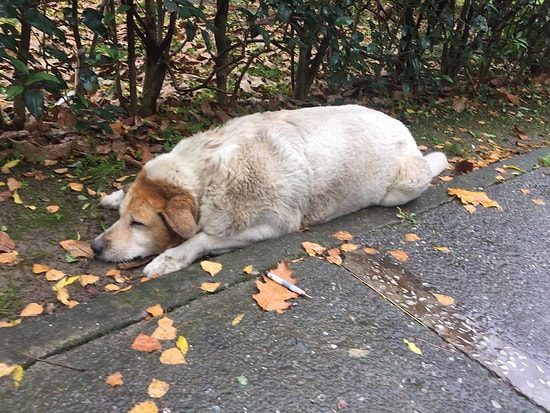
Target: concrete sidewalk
(344,349)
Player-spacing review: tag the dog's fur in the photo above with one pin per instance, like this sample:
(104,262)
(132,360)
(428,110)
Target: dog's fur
(262,176)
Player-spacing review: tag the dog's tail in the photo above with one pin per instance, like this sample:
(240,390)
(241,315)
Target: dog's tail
(437,162)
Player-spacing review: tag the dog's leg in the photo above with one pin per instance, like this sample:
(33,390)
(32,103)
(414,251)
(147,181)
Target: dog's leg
(185,254)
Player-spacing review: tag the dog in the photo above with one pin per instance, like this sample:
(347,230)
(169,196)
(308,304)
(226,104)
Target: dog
(262,176)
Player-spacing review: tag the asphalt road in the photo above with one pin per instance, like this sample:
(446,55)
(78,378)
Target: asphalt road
(344,349)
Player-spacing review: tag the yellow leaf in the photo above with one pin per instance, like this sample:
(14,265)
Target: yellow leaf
(399,255)
(155,310)
(114,379)
(525,191)
(54,275)
(409,237)
(17,198)
(444,299)
(182,345)
(157,388)
(413,347)
(123,178)
(148,406)
(87,279)
(17,375)
(31,310)
(31,207)
(9,165)
(62,283)
(237,319)
(248,269)
(209,287)
(39,268)
(172,356)
(211,267)
(343,236)
(165,329)
(474,198)
(442,248)
(312,248)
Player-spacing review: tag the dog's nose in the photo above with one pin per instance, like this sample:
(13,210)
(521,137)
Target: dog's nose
(97,246)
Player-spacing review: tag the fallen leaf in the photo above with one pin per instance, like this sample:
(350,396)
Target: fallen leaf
(525,191)
(209,287)
(463,167)
(409,237)
(474,198)
(10,258)
(248,269)
(272,296)
(62,283)
(52,209)
(441,248)
(39,268)
(242,380)
(172,356)
(538,201)
(61,171)
(333,256)
(312,248)
(349,247)
(115,273)
(413,347)
(370,250)
(444,299)
(343,236)
(146,343)
(148,406)
(17,198)
(157,388)
(9,165)
(114,379)
(15,370)
(211,267)
(521,134)
(470,208)
(237,319)
(6,243)
(399,255)
(77,249)
(111,288)
(155,310)
(63,297)
(76,186)
(182,345)
(165,329)
(32,310)
(87,279)
(459,104)
(54,275)
(12,323)
(14,184)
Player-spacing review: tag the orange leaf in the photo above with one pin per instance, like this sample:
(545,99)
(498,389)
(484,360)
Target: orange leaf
(334,256)
(209,287)
(312,248)
(76,186)
(155,310)
(172,356)
(63,296)
(114,379)
(272,296)
(31,310)
(54,275)
(409,237)
(52,209)
(148,406)
(474,198)
(14,184)
(4,323)
(165,329)
(444,299)
(399,255)
(370,250)
(115,273)
(111,287)
(348,247)
(211,267)
(39,268)
(343,236)
(87,279)
(442,249)
(157,388)
(538,201)
(9,258)
(146,343)
(6,243)
(77,249)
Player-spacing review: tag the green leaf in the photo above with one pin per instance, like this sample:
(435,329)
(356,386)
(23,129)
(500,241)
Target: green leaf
(14,91)
(37,77)
(34,101)
(243,380)
(88,79)
(19,65)
(93,20)
(43,23)
(343,21)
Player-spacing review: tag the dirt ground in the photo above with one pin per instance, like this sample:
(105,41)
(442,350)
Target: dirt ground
(52,209)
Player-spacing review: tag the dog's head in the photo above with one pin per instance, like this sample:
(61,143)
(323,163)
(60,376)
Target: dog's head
(154,216)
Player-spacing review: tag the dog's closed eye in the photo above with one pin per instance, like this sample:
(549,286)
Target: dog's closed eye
(135,223)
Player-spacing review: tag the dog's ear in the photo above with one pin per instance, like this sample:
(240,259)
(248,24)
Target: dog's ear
(180,216)
(112,201)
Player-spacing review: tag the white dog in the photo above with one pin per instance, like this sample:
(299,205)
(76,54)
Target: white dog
(262,176)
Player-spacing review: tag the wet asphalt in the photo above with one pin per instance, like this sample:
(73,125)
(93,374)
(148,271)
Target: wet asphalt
(344,349)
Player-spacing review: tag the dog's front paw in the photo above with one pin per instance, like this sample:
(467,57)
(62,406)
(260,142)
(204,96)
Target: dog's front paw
(163,264)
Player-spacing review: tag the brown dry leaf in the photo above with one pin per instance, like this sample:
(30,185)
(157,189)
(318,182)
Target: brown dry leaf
(157,388)
(272,296)
(54,275)
(444,299)
(349,247)
(370,250)
(165,329)
(399,255)
(410,237)
(6,243)
(32,310)
(61,171)
(211,267)
(459,104)
(474,198)
(155,310)
(209,287)
(343,236)
(14,184)
(39,268)
(521,134)
(52,209)
(77,249)
(538,201)
(10,258)
(172,356)
(87,279)
(148,406)
(146,343)
(114,379)
(333,256)
(312,248)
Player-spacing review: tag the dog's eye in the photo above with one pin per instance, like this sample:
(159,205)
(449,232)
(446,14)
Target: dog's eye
(135,223)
